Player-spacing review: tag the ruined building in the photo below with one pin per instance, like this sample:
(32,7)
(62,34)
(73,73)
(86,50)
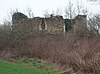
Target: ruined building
(80,23)
(51,25)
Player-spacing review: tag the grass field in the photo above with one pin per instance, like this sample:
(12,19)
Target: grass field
(12,68)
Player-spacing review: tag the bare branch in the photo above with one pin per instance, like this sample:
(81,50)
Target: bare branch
(30,12)
(46,14)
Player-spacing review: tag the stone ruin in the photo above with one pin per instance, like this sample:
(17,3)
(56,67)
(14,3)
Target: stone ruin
(80,23)
(51,25)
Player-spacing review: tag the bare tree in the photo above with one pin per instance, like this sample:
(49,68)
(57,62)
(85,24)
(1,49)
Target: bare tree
(58,12)
(70,10)
(94,23)
(81,9)
(29,12)
(46,14)
(5,33)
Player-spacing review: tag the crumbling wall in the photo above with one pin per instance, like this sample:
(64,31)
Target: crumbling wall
(55,24)
(52,25)
(80,24)
(26,27)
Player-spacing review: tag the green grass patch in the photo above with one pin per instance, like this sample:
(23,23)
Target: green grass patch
(24,68)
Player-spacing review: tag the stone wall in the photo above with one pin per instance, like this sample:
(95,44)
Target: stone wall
(26,26)
(55,24)
(51,25)
(80,23)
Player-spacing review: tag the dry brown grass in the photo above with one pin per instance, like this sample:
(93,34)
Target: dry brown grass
(82,54)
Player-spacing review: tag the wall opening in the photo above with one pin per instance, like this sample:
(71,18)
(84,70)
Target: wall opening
(43,24)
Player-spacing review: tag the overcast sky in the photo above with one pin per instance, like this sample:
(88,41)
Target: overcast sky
(39,6)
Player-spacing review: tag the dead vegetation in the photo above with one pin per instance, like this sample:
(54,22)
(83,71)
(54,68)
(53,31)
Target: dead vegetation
(64,52)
